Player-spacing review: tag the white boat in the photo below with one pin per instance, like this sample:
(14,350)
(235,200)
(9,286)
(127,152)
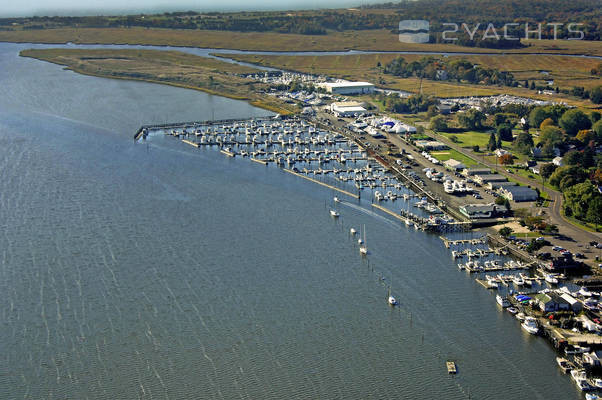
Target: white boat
(352,231)
(391,300)
(502,301)
(336,199)
(518,280)
(592,396)
(363,248)
(564,364)
(530,325)
(334,213)
(520,316)
(551,279)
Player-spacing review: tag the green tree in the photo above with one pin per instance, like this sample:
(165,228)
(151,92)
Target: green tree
(573,121)
(537,116)
(504,132)
(572,157)
(546,170)
(577,199)
(551,134)
(476,148)
(471,119)
(492,145)
(597,129)
(523,143)
(439,123)
(595,95)
(594,211)
(505,231)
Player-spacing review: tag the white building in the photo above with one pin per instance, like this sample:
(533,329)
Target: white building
(558,161)
(348,87)
(347,109)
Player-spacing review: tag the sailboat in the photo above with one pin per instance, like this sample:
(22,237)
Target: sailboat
(391,300)
(363,248)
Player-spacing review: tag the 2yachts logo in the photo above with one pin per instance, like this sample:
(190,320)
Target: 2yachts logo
(417,31)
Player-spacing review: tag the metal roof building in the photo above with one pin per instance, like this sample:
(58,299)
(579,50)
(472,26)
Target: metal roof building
(348,87)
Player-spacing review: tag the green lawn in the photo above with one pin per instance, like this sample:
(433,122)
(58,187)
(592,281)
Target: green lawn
(447,154)
(471,138)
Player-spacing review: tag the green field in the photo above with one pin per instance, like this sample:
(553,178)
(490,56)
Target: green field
(449,154)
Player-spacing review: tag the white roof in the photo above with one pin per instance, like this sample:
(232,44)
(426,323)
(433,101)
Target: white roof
(349,109)
(348,84)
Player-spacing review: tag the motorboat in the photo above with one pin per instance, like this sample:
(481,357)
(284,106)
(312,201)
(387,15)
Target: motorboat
(512,310)
(334,213)
(352,231)
(336,199)
(530,325)
(564,364)
(502,301)
(551,279)
(518,280)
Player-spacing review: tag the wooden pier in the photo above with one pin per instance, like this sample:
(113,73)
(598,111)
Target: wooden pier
(322,183)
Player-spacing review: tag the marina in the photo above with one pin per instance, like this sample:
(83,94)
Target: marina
(169,270)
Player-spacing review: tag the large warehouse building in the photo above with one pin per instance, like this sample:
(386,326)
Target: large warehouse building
(348,87)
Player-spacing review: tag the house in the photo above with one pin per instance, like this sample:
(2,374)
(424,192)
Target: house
(477,211)
(453,165)
(518,193)
(441,75)
(557,161)
(501,152)
(535,169)
(551,302)
(444,109)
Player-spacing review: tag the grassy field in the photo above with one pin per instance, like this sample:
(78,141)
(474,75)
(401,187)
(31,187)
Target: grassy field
(166,67)
(566,72)
(469,139)
(448,154)
(378,39)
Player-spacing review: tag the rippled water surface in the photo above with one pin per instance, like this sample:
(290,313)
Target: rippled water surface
(156,270)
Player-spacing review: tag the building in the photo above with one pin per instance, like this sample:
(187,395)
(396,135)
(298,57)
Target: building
(477,211)
(498,185)
(485,179)
(431,145)
(551,302)
(518,193)
(501,152)
(453,165)
(348,87)
(575,304)
(347,109)
(557,161)
(476,171)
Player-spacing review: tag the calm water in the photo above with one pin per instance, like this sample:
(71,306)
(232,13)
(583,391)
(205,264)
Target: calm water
(155,270)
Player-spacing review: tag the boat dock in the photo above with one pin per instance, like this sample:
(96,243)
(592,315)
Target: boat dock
(322,183)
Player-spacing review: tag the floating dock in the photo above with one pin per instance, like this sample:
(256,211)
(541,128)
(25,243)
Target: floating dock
(451,367)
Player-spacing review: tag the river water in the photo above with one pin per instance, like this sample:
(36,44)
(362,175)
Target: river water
(157,270)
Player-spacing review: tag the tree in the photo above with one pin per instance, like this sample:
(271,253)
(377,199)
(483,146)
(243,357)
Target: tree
(595,116)
(505,231)
(476,148)
(439,123)
(502,201)
(585,136)
(573,121)
(431,111)
(537,116)
(551,134)
(471,119)
(506,159)
(594,211)
(504,132)
(595,95)
(572,157)
(546,122)
(492,145)
(567,174)
(578,198)
(523,143)
(597,129)
(546,170)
